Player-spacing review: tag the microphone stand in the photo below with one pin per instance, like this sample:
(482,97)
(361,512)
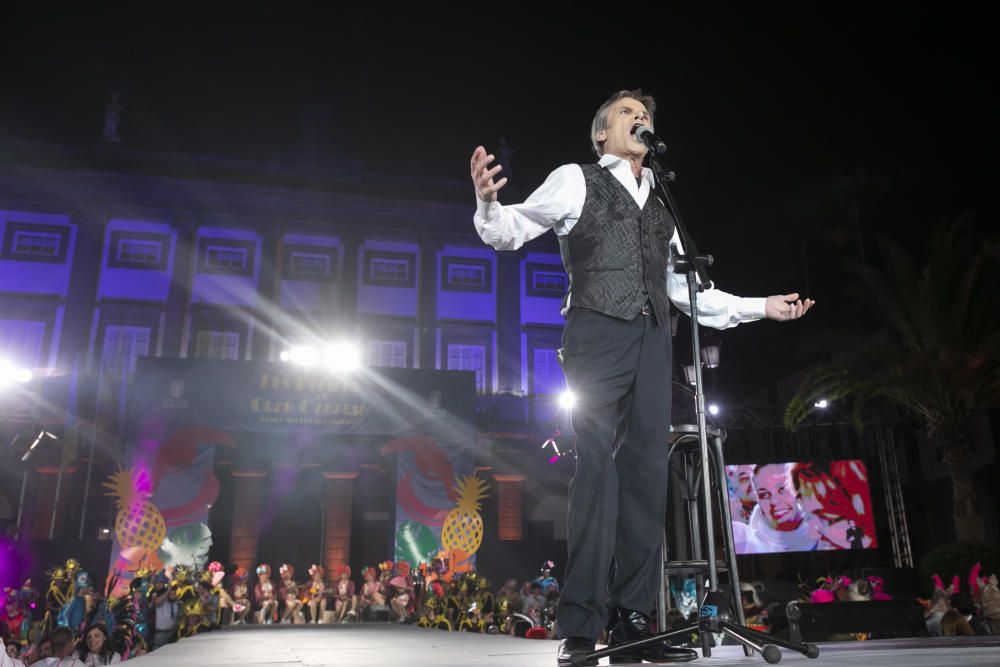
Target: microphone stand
(714,615)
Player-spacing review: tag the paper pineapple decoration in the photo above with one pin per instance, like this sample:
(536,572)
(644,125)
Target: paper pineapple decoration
(463,527)
(138,522)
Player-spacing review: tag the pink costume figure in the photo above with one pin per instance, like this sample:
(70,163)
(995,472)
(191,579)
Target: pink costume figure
(404,601)
(842,589)
(265,595)
(289,593)
(316,594)
(241,596)
(824,593)
(878,588)
(344,597)
(371,591)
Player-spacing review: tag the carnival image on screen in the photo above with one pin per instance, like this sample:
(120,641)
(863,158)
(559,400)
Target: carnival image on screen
(800,506)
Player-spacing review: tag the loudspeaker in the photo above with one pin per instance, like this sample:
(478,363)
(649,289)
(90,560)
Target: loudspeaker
(812,622)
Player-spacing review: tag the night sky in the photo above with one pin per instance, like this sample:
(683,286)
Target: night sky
(781,120)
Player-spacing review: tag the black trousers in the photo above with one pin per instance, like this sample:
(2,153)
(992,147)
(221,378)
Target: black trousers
(621,374)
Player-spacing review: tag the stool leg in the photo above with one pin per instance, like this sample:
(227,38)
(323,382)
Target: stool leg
(727,533)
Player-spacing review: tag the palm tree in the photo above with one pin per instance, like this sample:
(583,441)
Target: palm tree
(938,356)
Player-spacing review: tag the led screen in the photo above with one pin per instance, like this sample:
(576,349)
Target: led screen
(800,506)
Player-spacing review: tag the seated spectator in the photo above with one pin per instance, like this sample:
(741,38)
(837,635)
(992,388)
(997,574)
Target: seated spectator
(96,647)
(63,649)
(953,624)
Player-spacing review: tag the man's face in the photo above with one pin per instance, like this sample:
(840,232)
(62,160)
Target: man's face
(776,497)
(741,478)
(618,139)
(45,650)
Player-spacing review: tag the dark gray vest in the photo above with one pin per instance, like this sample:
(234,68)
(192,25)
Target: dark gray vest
(616,255)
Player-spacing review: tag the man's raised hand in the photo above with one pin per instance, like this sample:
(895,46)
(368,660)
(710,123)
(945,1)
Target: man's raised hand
(482,175)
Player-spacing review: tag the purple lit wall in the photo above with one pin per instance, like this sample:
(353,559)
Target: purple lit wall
(119,280)
(453,304)
(318,292)
(36,277)
(381,299)
(234,288)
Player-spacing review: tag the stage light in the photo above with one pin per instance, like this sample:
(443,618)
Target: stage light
(342,357)
(710,355)
(301,355)
(713,409)
(10,373)
(567,400)
(821,403)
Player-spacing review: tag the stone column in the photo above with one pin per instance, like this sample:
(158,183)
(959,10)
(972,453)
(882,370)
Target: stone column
(338,501)
(510,492)
(248,500)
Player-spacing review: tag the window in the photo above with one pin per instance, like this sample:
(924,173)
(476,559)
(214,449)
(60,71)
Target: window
(139,250)
(464,274)
(546,280)
(21,342)
(29,242)
(226,256)
(34,243)
(469,358)
(387,353)
(548,374)
(217,345)
(390,269)
(122,346)
(310,264)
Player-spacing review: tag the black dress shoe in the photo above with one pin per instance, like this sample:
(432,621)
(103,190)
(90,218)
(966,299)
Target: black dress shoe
(574,646)
(629,626)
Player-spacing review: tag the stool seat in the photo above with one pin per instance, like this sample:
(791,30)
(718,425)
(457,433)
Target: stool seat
(685,567)
(678,431)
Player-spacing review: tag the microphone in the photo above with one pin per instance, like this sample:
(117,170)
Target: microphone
(644,133)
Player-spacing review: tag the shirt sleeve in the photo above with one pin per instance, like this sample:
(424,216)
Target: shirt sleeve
(716,309)
(559,200)
(7,661)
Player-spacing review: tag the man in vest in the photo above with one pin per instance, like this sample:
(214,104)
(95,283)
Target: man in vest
(615,237)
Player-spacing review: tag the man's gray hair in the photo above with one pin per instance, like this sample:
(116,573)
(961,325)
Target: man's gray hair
(601,117)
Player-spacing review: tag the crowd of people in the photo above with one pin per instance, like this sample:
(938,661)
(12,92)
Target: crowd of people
(75,624)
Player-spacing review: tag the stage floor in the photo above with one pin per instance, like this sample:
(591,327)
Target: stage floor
(368,645)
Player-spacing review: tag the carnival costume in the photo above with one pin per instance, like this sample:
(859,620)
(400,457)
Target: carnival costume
(372,598)
(264,594)
(316,594)
(289,592)
(344,597)
(240,596)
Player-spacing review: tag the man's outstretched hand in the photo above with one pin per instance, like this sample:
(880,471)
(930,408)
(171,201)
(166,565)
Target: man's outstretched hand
(482,175)
(784,307)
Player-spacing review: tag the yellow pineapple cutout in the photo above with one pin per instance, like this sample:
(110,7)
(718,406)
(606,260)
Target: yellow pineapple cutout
(138,522)
(463,527)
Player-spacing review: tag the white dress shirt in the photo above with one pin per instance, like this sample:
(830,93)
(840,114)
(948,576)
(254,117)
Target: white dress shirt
(557,205)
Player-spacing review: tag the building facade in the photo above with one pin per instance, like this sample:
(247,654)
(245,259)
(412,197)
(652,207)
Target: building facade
(111,254)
